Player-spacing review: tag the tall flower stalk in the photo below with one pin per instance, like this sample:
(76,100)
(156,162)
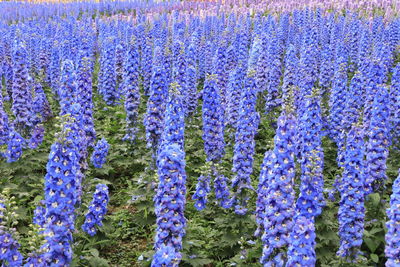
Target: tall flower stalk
(214,143)
(130,86)
(61,185)
(170,201)
(392,248)
(21,94)
(280,195)
(245,145)
(351,210)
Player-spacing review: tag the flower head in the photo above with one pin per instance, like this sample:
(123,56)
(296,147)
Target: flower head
(100,153)
(97,210)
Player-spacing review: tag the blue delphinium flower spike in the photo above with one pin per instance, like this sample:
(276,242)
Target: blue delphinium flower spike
(280,200)
(377,150)
(9,254)
(14,146)
(170,199)
(21,94)
(351,209)
(166,256)
(301,250)
(130,87)
(392,248)
(244,145)
(97,210)
(100,153)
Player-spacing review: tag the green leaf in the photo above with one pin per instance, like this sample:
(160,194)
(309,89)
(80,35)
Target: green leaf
(229,239)
(374,258)
(98,262)
(374,231)
(94,252)
(199,262)
(371,244)
(375,199)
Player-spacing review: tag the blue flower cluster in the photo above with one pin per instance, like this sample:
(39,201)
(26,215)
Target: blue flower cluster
(100,153)
(392,237)
(40,103)
(8,73)
(53,71)
(353,40)
(354,101)
(166,256)
(262,197)
(280,194)
(67,90)
(97,210)
(14,146)
(301,251)
(326,70)
(202,190)
(77,134)
(158,58)
(364,48)
(382,52)
(274,74)
(170,199)
(167,65)
(35,260)
(119,62)
(214,143)
(337,102)
(255,51)
(311,198)
(207,68)
(351,209)
(290,74)
(131,89)
(213,121)
(262,66)
(174,121)
(242,49)
(154,118)
(374,76)
(4,125)
(394,106)
(107,77)
(43,57)
(39,215)
(179,70)
(222,190)
(37,135)
(231,59)
(221,74)
(9,254)
(85,93)
(244,145)
(337,105)
(147,63)
(308,64)
(234,90)
(191,80)
(61,185)
(378,141)
(21,94)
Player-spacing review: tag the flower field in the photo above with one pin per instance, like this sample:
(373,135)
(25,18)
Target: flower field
(200,133)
